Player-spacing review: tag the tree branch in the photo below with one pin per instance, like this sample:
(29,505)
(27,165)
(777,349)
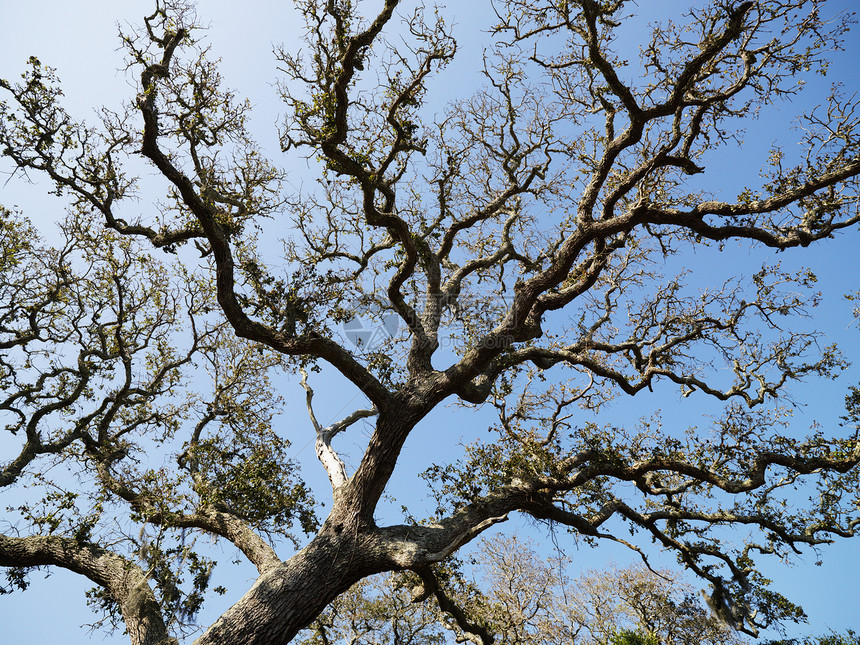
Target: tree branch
(124,581)
(469,630)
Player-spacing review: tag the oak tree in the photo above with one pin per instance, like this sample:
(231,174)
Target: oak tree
(512,251)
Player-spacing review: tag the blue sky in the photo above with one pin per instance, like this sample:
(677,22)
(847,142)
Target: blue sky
(79,39)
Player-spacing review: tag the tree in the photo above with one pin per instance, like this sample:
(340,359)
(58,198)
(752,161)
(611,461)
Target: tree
(512,248)
(848,638)
(376,610)
(523,599)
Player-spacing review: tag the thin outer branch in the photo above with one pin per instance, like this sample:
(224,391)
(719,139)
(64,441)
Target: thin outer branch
(310,344)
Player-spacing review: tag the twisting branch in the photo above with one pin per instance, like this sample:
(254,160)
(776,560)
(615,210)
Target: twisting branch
(539,213)
(467,629)
(219,232)
(126,583)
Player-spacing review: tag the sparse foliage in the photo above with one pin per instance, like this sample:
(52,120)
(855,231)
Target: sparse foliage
(515,248)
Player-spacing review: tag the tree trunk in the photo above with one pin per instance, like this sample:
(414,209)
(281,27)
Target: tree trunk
(288,597)
(348,548)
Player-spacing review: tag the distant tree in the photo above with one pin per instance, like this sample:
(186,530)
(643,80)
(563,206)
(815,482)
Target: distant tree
(522,599)
(508,251)
(376,610)
(628,637)
(850,637)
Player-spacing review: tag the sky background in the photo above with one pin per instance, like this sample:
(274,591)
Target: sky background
(80,40)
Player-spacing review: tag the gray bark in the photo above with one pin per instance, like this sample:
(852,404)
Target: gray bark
(124,580)
(289,596)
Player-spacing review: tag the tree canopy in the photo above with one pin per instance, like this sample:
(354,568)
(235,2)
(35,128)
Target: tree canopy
(521,250)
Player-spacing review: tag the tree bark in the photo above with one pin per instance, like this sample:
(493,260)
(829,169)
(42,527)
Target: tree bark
(124,580)
(288,597)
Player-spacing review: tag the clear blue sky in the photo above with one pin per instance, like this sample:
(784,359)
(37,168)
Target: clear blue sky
(79,39)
